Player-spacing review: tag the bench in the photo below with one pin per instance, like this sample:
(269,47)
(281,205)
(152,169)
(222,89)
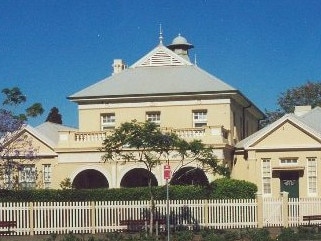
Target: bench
(140,224)
(312,218)
(8,225)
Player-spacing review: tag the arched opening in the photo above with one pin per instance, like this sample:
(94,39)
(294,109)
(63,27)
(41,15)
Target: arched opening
(189,176)
(90,179)
(138,177)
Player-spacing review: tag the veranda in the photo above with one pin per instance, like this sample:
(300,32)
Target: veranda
(105,216)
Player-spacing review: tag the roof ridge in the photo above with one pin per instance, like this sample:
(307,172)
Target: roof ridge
(55,124)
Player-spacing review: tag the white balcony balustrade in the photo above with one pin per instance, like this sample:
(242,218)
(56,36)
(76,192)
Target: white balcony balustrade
(208,134)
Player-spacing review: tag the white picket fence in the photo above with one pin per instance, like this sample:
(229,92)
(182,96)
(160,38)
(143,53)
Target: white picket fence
(276,210)
(105,216)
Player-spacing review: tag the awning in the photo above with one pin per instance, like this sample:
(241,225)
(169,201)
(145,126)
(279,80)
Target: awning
(288,168)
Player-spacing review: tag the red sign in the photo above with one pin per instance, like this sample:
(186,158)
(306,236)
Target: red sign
(167,172)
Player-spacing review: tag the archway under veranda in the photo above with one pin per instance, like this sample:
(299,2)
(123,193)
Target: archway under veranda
(138,177)
(90,179)
(189,176)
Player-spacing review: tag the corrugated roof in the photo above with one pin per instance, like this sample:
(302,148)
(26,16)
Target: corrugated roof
(313,119)
(50,131)
(155,80)
(161,71)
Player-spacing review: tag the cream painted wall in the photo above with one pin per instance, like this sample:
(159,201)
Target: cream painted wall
(288,135)
(69,165)
(301,155)
(71,156)
(175,116)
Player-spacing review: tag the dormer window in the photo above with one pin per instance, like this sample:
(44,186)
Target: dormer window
(153,117)
(200,118)
(108,121)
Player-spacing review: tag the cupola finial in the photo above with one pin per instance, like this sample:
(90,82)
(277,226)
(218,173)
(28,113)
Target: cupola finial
(160,34)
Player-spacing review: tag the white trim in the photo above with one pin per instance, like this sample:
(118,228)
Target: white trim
(313,194)
(153,104)
(103,99)
(251,141)
(266,160)
(279,147)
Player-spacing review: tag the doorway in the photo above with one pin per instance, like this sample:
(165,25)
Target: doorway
(289,182)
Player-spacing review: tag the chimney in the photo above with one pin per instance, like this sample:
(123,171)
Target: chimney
(118,66)
(302,109)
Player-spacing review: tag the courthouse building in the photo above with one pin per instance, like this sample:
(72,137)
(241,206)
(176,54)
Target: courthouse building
(165,87)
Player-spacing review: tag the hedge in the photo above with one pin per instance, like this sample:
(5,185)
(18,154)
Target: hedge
(223,188)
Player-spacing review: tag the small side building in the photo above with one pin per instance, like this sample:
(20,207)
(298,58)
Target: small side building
(283,156)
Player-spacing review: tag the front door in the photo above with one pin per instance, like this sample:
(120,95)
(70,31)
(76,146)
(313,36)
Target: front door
(289,182)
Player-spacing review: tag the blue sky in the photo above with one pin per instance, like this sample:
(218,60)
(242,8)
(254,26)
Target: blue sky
(51,49)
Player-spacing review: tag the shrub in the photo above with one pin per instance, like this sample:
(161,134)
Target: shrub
(66,184)
(220,235)
(225,188)
(288,234)
(258,234)
(185,235)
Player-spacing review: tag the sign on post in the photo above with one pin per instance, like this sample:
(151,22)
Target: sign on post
(167,172)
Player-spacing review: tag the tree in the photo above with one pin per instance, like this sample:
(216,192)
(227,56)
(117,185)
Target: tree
(14,97)
(8,123)
(306,94)
(146,143)
(54,116)
(15,148)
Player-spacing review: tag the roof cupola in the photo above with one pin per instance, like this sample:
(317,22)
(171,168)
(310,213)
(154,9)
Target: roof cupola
(180,46)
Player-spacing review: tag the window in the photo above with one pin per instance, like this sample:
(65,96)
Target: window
(8,175)
(289,161)
(266,176)
(312,175)
(153,117)
(200,118)
(27,177)
(46,175)
(108,121)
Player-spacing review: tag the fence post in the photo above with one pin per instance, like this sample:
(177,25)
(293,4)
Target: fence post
(206,214)
(285,208)
(93,217)
(260,210)
(31,219)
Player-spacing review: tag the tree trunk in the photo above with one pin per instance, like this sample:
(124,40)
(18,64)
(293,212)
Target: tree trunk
(152,207)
